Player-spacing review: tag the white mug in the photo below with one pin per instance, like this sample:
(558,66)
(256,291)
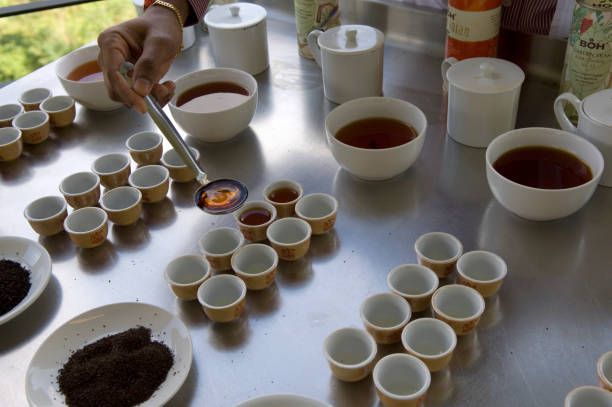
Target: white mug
(594,124)
(351,57)
(239,36)
(483,98)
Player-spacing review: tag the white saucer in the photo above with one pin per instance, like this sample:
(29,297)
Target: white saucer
(283,400)
(41,376)
(35,258)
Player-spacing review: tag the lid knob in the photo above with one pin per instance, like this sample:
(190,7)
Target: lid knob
(488,70)
(351,35)
(235,10)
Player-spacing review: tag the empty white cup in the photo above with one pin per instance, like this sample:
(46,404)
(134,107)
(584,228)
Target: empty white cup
(11,143)
(256,265)
(34,126)
(431,340)
(145,147)
(61,110)
(32,98)
(153,181)
(319,210)
(384,316)
(350,353)
(438,251)
(415,283)
(46,215)
(223,297)
(290,237)
(8,112)
(459,306)
(185,274)
(113,169)
(87,227)
(218,245)
(179,171)
(588,396)
(401,380)
(81,189)
(123,205)
(483,271)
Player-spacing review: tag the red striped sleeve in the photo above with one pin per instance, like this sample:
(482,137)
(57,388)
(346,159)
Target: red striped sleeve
(198,8)
(529,16)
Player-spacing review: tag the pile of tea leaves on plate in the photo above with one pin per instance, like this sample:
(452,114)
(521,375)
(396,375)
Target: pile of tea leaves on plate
(119,370)
(14,284)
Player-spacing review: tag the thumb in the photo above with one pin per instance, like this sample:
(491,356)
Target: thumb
(156,57)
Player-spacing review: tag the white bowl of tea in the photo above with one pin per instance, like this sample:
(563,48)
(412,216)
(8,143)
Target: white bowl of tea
(214,105)
(81,77)
(376,138)
(539,173)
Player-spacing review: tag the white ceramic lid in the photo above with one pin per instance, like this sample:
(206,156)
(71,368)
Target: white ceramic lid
(351,39)
(485,75)
(598,107)
(235,16)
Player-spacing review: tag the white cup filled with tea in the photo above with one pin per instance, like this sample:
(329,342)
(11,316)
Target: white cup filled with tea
(376,138)
(81,77)
(214,105)
(540,173)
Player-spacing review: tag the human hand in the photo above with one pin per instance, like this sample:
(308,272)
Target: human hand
(151,42)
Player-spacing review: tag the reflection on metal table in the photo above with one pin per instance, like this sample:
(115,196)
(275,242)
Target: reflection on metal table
(538,339)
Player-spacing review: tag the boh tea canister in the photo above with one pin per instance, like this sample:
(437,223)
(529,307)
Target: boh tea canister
(588,58)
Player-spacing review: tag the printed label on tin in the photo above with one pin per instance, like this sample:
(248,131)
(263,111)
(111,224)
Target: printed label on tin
(473,26)
(588,62)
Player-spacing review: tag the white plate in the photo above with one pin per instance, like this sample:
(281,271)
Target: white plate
(36,259)
(283,400)
(41,383)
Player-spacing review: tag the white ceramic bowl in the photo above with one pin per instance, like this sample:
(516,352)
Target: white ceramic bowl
(224,123)
(542,204)
(383,163)
(92,95)
(36,259)
(40,381)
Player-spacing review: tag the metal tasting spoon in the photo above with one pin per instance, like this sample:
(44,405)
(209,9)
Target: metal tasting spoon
(215,197)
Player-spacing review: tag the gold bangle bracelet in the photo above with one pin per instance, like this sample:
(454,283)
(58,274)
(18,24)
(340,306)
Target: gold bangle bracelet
(172,7)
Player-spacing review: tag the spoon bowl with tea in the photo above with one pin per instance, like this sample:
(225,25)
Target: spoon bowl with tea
(215,197)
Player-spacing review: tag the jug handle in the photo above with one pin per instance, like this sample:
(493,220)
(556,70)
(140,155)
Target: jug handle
(446,64)
(313,44)
(562,118)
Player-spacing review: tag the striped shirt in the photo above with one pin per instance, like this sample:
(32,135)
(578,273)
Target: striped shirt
(528,16)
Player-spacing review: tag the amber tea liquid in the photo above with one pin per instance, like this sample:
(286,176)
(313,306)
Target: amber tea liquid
(283,195)
(88,72)
(376,133)
(543,167)
(255,216)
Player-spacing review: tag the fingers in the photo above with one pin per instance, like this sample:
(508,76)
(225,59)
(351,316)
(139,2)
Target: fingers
(158,53)
(114,50)
(164,92)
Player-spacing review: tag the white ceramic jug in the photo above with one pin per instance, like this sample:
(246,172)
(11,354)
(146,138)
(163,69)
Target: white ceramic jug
(483,98)
(351,57)
(594,124)
(239,36)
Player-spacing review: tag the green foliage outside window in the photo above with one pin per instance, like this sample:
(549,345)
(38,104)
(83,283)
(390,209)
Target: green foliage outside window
(30,41)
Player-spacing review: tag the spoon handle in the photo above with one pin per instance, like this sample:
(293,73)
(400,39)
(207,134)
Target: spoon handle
(169,131)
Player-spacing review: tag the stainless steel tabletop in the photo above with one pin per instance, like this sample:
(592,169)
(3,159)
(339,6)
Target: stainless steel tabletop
(538,339)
